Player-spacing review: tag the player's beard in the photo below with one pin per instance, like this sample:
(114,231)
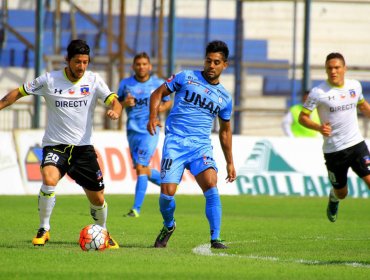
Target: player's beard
(74,76)
(211,78)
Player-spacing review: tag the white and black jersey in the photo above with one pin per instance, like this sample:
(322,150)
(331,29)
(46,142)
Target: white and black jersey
(70,105)
(338,107)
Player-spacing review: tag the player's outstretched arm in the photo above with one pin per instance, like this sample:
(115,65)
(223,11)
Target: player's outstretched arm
(10,98)
(225,135)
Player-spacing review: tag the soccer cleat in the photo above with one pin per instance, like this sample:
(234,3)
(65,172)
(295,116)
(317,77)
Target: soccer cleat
(164,236)
(133,214)
(112,244)
(332,210)
(217,244)
(41,237)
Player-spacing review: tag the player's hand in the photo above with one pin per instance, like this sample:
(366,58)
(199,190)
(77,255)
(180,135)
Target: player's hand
(112,115)
(130,100)
(152,125)
(231,173)
(325,129)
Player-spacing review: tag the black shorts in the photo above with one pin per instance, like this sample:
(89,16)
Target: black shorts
(357,157)
(79,162)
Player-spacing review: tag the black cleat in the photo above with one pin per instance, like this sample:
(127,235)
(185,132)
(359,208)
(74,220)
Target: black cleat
(164,236)
(217,244)
(132,213)
(332,210)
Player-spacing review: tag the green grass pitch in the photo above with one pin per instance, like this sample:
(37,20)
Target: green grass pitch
(269,238)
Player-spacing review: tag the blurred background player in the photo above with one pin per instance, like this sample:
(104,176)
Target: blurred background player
(291,125)
(199,98)
(337,100)
(134,94)
(71,96)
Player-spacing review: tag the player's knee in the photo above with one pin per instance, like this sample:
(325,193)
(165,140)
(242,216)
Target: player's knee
(50,181)
(341,193)
(142,170)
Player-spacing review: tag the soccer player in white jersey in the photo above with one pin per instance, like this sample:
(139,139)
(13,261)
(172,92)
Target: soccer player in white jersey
(198,99)
(337,101)
(71,96)
(134,94)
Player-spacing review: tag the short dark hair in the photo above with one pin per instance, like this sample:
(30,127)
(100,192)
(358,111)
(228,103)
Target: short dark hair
(335,55)
(77,47)
(218,46)
(141,55)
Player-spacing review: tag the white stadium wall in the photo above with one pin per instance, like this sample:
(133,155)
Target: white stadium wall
(276,166)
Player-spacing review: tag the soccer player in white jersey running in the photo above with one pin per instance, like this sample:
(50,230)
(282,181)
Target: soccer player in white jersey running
(71,96)
(134,94)
(198,99)
(337,100)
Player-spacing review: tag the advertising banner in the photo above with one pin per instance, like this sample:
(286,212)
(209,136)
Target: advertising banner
(276,166)
(10,176)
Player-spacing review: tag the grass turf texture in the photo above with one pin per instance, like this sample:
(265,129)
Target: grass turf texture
(269,238)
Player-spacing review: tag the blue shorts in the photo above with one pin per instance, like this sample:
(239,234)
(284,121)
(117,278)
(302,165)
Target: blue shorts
(180,153)
(142,147)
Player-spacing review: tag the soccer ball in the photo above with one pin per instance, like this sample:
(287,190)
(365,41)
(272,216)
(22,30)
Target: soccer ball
(93,238)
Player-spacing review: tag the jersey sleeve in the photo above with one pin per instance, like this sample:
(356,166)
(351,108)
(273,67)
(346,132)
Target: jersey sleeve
(175,82)
(225,113)
(361,98)
(103,91)
(312,101)
(36,87)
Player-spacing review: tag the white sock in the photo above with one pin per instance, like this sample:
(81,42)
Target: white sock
(332,196)
(46,204)
(99,214)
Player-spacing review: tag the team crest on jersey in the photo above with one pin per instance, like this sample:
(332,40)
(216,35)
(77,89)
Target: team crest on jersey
(352,93)
(84,90)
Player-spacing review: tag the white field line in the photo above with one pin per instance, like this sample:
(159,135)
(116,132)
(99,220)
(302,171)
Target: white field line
(205,250)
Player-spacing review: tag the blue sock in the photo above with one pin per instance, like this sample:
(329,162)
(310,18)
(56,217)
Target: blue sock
(213,212)
(141,185)
(167,205)
(155,177)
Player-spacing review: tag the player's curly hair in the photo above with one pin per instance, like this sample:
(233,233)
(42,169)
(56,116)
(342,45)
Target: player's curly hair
(218,46)
(77,46)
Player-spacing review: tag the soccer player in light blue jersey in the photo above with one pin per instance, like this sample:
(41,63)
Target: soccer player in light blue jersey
(198,99)
(134,94)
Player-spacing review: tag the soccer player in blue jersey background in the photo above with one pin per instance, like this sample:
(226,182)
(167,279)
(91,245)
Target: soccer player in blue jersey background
(198,99)
(134,94)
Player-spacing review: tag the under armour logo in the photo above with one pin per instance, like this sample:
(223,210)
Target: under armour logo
(331,97)
(57,90)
